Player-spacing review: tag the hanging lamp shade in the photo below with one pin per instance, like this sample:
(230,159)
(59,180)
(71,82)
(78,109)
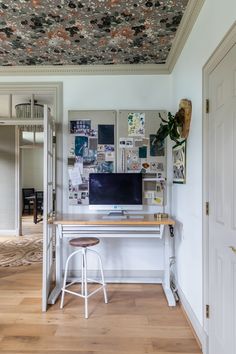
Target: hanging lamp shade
(23,110)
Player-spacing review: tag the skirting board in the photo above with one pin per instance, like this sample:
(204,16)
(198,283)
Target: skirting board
(8,233)
(197,327)
(124,276)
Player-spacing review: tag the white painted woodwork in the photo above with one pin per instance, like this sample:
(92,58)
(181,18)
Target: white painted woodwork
(7,178)
(48,233)
(222,186)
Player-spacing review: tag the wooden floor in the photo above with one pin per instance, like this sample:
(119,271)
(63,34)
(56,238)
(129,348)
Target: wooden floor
(136,320)
(28,226)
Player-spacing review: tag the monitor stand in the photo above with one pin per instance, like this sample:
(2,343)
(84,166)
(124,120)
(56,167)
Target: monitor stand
(115,215)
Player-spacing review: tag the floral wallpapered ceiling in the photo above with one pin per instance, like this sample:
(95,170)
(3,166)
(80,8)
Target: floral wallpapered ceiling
(60,32)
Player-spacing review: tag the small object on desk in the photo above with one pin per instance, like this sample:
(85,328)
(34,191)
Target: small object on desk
(160,216)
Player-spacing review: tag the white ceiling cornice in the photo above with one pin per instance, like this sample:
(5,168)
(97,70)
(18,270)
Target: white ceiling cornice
(189,18)
(190,15)
(124,69)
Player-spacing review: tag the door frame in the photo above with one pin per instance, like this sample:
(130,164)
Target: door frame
(27,88)
(220,52)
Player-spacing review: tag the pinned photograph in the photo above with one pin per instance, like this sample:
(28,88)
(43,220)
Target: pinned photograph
(71,161)
(106,134)
(122,142)
(153,166)
(138,142)
(81,145)
(73,198)
(93,143)
(157,148)
(106,167)
(89,157)
(83,186)
(160,166)
(142,152)
(101,148)
(109,148)
(149,194)
(132,160)
(84,198)
(136,124)
(77,126)
(126,143)
(110,156)
(158,200)
(71,146)
(101,157)
(145,141)
(179,163)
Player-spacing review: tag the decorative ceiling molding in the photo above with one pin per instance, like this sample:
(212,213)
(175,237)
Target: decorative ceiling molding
(192,10)
(188,20)
(128,69)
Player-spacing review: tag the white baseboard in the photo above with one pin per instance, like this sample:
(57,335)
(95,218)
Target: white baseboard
(8,232)
(124,276)
(197,327)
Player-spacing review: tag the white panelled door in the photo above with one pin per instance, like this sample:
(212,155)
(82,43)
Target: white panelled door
(222,206)
(48,231)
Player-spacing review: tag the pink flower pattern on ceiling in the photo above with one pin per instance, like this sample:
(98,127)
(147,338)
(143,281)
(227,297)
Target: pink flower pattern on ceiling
(60,32)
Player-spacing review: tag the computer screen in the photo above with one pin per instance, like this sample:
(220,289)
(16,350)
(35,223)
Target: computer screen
(115,191)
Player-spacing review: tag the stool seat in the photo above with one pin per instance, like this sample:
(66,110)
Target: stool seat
(84,241)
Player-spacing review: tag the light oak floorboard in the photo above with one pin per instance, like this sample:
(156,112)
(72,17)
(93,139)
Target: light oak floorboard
(136,320)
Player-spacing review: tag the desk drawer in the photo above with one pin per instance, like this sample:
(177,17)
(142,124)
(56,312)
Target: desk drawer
(112,231)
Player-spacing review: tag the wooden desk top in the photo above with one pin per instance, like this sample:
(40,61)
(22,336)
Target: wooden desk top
(96,219)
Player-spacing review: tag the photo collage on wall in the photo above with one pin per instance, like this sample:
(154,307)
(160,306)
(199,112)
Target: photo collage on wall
(91,150)
(142,154)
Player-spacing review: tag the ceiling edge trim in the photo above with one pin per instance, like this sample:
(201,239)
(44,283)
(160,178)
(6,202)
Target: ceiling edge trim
(125,69)
(189,18)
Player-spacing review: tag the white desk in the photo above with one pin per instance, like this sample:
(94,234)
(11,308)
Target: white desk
(146,226)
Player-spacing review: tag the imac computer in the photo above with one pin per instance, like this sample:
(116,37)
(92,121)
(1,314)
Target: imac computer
(115,192)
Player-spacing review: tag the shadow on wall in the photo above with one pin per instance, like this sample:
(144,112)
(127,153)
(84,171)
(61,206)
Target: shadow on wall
(178,230)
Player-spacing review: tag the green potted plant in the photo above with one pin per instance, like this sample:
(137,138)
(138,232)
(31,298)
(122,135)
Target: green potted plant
(171,127)
(177,126)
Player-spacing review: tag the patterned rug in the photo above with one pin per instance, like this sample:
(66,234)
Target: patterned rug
(21,251)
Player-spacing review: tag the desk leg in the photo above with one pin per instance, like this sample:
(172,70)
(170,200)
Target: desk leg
(57,290)
(166,281)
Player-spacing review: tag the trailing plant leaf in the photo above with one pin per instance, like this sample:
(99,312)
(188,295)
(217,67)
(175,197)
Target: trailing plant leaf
(170,128)
(162,119)
(161,134)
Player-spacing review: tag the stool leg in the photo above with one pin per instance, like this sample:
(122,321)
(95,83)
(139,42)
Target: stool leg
(64,283)
(65,277)
(82,275)
(85,282)
(102,276)
(103,281)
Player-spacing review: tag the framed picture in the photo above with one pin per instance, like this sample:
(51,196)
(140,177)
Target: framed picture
(179,163)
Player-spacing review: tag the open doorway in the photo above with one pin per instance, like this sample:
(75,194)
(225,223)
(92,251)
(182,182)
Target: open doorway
(31,180)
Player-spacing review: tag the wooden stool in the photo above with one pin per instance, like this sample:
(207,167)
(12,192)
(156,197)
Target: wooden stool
(83,243)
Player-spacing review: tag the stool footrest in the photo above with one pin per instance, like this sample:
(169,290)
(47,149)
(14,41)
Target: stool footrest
(83,296)
(73,282)
(78,281)
(94,281)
